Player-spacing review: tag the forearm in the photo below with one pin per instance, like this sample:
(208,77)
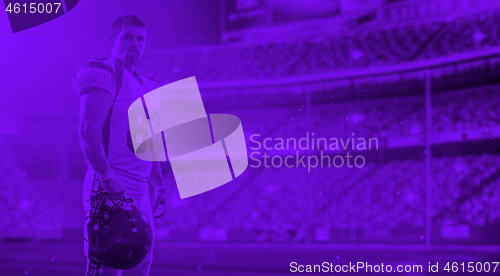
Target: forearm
(156,176)
(92,148)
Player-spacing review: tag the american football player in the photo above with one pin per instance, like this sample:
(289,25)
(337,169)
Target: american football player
(107,87)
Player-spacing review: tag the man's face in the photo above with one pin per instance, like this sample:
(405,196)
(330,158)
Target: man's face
(128,45)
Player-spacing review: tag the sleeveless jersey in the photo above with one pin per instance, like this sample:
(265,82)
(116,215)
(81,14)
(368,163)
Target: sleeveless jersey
(121,156)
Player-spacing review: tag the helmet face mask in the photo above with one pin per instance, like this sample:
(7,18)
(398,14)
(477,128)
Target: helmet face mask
(120,235)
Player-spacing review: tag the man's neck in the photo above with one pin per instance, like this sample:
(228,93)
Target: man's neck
(130,68)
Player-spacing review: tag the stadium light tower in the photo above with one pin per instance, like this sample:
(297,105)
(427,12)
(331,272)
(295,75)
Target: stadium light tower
(309,183)
(428,172)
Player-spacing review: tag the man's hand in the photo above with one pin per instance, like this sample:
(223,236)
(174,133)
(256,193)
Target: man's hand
(113,189)
(160,206)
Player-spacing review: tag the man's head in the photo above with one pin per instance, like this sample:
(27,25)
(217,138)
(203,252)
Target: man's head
(128,38)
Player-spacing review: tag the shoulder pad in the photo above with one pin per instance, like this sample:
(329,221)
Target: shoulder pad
(151,78)
(95,73)
(101,63)
(149,82)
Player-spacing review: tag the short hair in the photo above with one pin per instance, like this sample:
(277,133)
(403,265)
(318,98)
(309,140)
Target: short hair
(117,26)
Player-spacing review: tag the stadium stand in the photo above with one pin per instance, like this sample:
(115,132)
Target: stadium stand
(377,197)
(369,48)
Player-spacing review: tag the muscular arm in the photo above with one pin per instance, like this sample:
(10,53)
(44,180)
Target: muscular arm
(156,177)
(94,107)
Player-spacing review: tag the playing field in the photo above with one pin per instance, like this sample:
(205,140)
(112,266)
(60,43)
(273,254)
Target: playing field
(66,258)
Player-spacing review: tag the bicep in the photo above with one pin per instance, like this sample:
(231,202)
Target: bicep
(94,107)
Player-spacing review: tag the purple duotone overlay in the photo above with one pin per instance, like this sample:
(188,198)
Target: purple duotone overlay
(304,133)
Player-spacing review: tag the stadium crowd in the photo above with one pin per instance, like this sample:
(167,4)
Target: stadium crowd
(376,197)
(365,48)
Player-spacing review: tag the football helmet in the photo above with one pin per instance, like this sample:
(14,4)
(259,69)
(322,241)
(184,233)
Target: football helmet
(120,235)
